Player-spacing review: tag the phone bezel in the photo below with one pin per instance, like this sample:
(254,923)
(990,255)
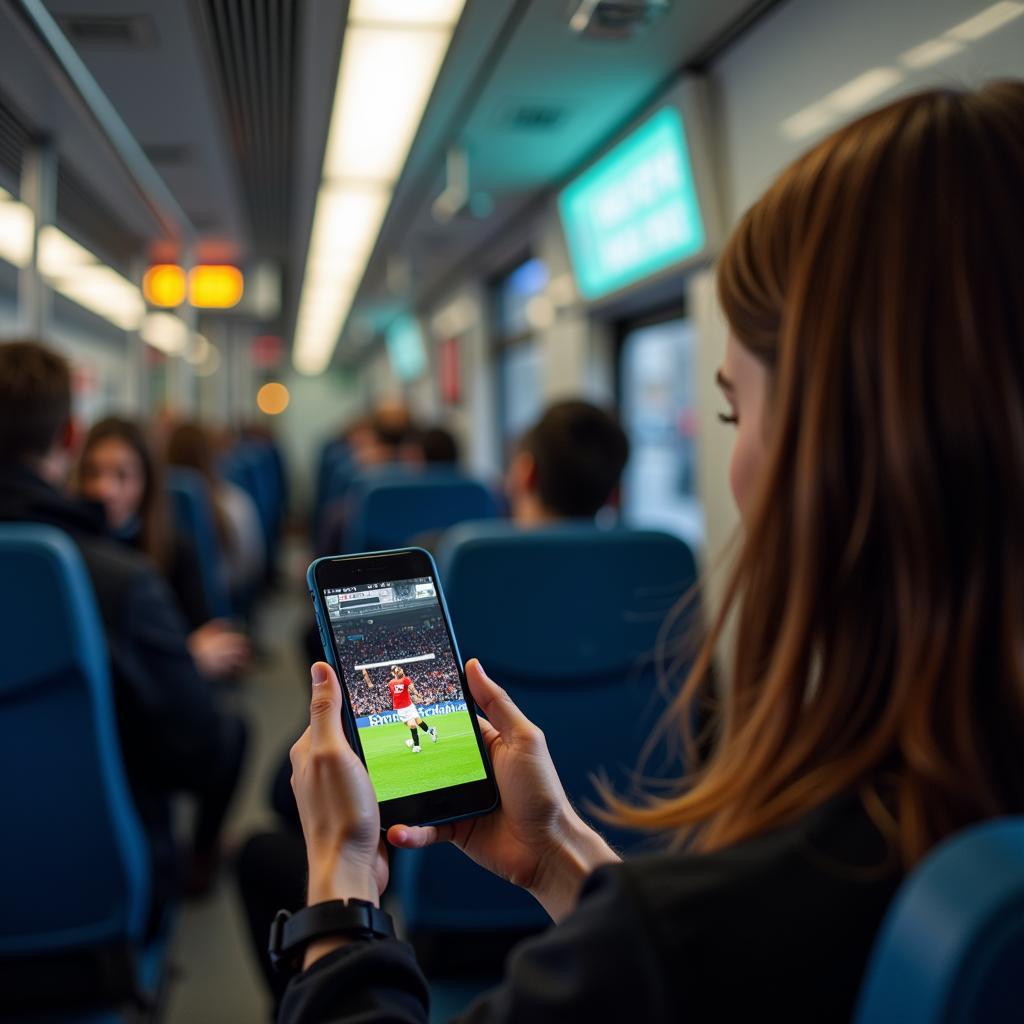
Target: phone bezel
(434,807)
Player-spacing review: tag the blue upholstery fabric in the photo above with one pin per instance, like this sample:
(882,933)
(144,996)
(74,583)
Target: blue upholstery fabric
(951,948)
(389,509)
(567,620)
(75,862)
(194,518)
(251,468)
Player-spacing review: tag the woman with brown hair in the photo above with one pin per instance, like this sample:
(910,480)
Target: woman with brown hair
(235,517)
(117,469)
(875,378)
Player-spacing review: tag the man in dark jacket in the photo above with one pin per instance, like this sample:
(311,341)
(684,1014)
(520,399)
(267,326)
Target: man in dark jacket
(173,736)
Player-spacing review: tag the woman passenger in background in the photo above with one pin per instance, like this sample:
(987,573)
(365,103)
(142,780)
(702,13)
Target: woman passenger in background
(234,513)
(117,469)
(874,375)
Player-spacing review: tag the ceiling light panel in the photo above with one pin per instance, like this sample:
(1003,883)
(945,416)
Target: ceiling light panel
(406,12)
(77,274)
(392,53)
(16,226)
(931,52)
(166,332)
(385,82)
(990,19)
(863,89)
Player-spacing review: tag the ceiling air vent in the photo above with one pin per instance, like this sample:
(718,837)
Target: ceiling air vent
(533,116)
(614,19)
(109,30)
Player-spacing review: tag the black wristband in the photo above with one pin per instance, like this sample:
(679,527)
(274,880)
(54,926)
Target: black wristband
(290,934)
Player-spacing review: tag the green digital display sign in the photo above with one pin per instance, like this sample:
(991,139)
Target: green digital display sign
(406,351)
(635,211)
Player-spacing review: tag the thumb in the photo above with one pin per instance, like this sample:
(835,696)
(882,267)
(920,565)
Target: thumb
(494,702)
(325,707)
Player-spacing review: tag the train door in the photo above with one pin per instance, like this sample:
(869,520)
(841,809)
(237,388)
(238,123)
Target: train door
(657,396)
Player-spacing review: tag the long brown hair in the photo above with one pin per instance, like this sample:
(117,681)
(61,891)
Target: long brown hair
(154,517)
(191,445)
(879,590)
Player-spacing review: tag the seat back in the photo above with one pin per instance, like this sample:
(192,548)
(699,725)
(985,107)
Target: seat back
(251,468)
(567,620)
(390,508)
(951,948)
(75,863)
(193,515)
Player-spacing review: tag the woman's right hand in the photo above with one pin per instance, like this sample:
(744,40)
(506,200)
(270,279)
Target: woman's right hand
(534,839)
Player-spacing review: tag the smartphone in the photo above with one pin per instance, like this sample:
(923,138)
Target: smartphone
(408,712)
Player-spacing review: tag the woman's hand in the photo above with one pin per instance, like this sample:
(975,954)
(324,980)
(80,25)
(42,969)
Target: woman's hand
(535,839)
(218,650)
(337,805)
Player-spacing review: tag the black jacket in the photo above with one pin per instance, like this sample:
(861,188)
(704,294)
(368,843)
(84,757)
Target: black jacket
(775,928)
(171,730)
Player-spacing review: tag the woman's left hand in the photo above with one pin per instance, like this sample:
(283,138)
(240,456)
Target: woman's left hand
(337,804)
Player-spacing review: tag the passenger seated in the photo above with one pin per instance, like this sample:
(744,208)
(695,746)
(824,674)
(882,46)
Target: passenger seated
(117,468)
(235,516)
(874,374)
(431,448)
(174,737)
(567,466)
(375,442)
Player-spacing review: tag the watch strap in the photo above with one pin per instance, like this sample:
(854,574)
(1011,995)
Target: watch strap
(290,934)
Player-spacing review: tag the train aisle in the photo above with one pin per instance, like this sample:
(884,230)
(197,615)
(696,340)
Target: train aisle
(215,980)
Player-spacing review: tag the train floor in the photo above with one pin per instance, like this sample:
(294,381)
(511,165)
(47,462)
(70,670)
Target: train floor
(214,977)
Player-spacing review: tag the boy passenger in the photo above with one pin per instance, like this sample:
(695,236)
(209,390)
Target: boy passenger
(567,466)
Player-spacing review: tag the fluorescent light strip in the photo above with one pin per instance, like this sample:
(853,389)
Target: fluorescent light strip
(406,12)
(72,270)
(166,332)
(929,53)
(860,91)
(16,225)
(856,93)
(871,84)
(987,21)
(393,51)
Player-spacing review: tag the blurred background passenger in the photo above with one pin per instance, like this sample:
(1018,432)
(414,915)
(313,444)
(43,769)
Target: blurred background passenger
(118,469)
(431,447)
(567,466)
(174,736)
(235,517)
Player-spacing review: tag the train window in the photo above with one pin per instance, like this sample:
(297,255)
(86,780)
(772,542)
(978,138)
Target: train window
(659,414)
(518,361)
(515,292)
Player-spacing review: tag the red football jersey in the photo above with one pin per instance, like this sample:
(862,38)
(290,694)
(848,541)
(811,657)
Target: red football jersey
(400,692)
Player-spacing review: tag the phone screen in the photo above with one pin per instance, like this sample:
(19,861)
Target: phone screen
(404,686)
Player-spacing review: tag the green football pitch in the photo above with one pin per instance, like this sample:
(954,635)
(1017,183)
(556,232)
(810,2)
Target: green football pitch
(396,771)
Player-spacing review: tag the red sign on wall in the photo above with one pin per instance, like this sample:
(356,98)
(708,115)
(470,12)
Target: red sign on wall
(449,370)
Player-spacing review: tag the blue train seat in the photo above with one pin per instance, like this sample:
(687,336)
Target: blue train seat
(337,471)
(332,453)
(76,872)
(194,517)
(251,468)
(567,620)
(388,510)
(951,948)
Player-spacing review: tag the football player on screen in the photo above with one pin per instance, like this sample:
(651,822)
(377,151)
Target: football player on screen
(403,699)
